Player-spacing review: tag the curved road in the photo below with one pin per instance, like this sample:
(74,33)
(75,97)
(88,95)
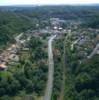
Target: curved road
(48,91)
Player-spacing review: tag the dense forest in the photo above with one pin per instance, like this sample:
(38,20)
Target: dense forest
(81,78)
(12,24)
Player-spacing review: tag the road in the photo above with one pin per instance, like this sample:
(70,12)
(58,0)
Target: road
(17,38)
(48,91)
(94,51)
(75,42)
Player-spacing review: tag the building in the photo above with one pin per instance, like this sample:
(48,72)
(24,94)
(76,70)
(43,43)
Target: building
(3,66)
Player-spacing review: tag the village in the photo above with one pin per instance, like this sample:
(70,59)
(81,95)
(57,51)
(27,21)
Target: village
(11,54)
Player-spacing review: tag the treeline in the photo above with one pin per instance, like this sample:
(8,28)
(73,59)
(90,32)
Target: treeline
(14,20)
(64,12)
(12,24)
(93,22)
(58,69)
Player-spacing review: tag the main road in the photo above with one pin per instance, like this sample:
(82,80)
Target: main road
(49,88)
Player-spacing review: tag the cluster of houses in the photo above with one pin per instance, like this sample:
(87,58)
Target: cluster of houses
(56,23)
(85,43)
(11,54)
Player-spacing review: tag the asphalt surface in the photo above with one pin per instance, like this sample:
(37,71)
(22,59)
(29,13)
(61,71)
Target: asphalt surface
(49,88)
(94,51)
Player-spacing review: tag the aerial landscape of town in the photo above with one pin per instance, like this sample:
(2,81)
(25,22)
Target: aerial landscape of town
(49,52)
